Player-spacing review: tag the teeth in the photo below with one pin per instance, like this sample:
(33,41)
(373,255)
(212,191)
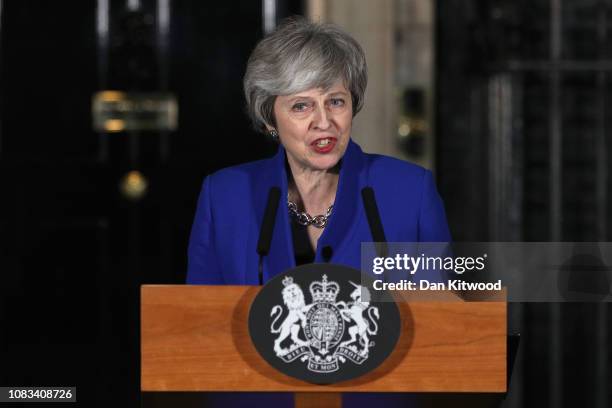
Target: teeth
(323,142)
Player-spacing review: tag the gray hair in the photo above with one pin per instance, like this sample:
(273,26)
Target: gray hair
(301,55)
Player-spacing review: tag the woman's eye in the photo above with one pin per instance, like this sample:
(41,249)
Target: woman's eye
(300,107)
(337,102)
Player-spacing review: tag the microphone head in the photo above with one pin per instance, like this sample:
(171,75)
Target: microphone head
(327,253)
(374,221)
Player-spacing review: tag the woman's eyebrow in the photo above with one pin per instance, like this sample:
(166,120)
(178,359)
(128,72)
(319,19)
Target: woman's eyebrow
(293,98)
(338,93)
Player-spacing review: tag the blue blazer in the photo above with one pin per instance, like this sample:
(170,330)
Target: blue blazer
(223,242)
(222,247)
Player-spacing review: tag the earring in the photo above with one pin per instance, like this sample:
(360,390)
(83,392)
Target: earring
(273,134)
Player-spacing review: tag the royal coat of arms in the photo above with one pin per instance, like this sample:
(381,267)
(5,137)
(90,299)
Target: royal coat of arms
(326,332)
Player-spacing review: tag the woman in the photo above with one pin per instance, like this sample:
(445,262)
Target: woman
(303,85)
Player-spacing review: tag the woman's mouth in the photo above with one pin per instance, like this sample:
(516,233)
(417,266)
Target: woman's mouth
(324,145)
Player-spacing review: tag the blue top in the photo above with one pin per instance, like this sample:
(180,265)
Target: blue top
(223,242)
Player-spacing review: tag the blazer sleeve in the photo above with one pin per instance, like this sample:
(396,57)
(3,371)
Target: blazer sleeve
(202,265)
(433,227)
(432,218)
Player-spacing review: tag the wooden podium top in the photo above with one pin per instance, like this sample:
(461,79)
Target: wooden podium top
(195,338)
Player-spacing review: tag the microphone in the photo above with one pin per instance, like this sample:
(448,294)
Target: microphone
(327,253)
(376,228)
(267,228)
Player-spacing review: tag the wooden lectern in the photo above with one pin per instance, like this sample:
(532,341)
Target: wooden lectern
(195,338)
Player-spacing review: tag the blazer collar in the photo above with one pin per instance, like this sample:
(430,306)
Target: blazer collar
(281,256)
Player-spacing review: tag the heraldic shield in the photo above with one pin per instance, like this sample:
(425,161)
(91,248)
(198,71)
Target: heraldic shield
(321,323)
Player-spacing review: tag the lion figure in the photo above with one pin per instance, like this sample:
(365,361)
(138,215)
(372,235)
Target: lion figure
(293,298)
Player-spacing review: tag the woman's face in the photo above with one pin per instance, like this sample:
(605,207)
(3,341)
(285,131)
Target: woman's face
(314,126)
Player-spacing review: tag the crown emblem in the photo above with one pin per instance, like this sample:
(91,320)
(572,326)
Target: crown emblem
(323,291)
(287,281)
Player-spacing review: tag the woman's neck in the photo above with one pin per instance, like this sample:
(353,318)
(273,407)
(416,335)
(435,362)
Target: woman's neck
(312,190)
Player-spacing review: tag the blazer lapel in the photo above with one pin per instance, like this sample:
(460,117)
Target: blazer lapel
(344,213)
(281,256)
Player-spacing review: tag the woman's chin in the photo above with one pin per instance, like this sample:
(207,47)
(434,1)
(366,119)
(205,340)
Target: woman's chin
(324,163)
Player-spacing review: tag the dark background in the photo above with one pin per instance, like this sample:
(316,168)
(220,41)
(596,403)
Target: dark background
(522,118)
(523,133)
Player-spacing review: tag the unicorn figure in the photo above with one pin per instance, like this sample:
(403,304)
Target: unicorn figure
(355,312)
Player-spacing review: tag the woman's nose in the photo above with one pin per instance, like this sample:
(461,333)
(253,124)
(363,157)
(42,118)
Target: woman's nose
(321,119)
